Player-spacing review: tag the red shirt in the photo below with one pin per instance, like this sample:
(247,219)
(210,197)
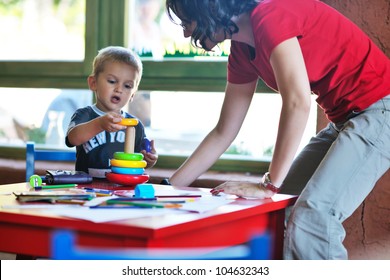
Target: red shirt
(346,70)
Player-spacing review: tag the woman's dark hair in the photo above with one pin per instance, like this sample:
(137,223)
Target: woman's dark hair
(210,16)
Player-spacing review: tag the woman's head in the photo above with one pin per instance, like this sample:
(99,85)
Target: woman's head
(208,22)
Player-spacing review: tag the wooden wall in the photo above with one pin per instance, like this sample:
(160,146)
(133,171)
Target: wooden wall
(368,229)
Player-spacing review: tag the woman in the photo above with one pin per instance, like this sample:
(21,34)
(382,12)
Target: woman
(298,48)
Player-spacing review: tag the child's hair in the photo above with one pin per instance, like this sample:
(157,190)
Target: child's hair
(116,54)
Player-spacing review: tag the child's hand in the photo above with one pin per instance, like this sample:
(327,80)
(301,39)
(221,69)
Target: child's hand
(109,122)
(150,157)
(243,189)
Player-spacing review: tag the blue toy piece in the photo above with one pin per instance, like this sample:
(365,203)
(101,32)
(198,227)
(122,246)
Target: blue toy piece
(64,247)
(144,191)
(127,170)
(146,145)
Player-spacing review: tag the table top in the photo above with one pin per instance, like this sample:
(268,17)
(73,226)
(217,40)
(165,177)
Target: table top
(157,226)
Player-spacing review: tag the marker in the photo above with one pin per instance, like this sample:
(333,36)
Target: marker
(98,191)
(43,187)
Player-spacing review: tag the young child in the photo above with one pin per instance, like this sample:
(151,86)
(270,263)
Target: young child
(95,131)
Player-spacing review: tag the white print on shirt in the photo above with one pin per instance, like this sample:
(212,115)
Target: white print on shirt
(101,139)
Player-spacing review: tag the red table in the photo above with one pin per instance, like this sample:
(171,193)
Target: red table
(28,231)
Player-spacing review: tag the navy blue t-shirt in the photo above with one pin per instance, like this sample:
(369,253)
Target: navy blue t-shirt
(94,155)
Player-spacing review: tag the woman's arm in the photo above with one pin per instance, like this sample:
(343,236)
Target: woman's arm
(234,109)
(293,84)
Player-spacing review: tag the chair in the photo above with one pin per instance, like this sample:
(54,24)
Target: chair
(63,248)
(33,155)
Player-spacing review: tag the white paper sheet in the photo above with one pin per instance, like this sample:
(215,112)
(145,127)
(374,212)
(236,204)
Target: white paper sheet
(107,215)
(203,204)
(206,203)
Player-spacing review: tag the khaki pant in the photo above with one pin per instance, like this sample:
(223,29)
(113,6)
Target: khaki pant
(333,174)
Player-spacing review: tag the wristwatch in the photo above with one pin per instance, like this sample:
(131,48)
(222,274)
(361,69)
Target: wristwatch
(267,183)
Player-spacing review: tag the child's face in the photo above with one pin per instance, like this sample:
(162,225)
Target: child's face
(115,86)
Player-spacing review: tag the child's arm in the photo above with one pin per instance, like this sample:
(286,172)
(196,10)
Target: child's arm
(81,133)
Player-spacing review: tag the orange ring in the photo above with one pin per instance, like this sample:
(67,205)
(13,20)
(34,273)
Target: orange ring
(128,122)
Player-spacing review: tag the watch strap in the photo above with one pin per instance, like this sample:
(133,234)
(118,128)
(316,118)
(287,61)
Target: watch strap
(267,183)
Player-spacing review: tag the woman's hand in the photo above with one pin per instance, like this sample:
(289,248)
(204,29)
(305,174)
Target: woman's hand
(243,189)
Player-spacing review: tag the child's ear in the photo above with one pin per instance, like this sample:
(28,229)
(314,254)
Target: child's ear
(132,97)
(91,82)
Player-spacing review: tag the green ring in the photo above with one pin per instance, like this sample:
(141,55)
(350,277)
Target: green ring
(128,156)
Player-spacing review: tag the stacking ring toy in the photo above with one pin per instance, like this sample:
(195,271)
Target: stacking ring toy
(128,122)
(128,163)
(124,179)
(127,170)
(127,156)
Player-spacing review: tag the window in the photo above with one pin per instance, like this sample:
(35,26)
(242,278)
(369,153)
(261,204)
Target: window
(42,30)
(178,122)
(42,50)
(153,35)
(39,115)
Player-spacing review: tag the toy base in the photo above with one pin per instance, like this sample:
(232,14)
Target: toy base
(124,179)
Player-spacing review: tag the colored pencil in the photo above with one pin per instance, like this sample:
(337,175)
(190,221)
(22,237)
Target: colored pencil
(179,196)
(44,187)
(143,204)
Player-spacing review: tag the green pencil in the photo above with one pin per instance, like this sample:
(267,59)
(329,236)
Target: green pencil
(56,186)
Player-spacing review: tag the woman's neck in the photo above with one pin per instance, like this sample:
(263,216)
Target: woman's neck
(245,33)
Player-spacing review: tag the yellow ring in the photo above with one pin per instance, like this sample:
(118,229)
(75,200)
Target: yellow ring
(128,163)
(128,122)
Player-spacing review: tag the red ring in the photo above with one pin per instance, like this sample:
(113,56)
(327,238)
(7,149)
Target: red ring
(126,179)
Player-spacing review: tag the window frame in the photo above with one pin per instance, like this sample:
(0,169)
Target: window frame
(106,24)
